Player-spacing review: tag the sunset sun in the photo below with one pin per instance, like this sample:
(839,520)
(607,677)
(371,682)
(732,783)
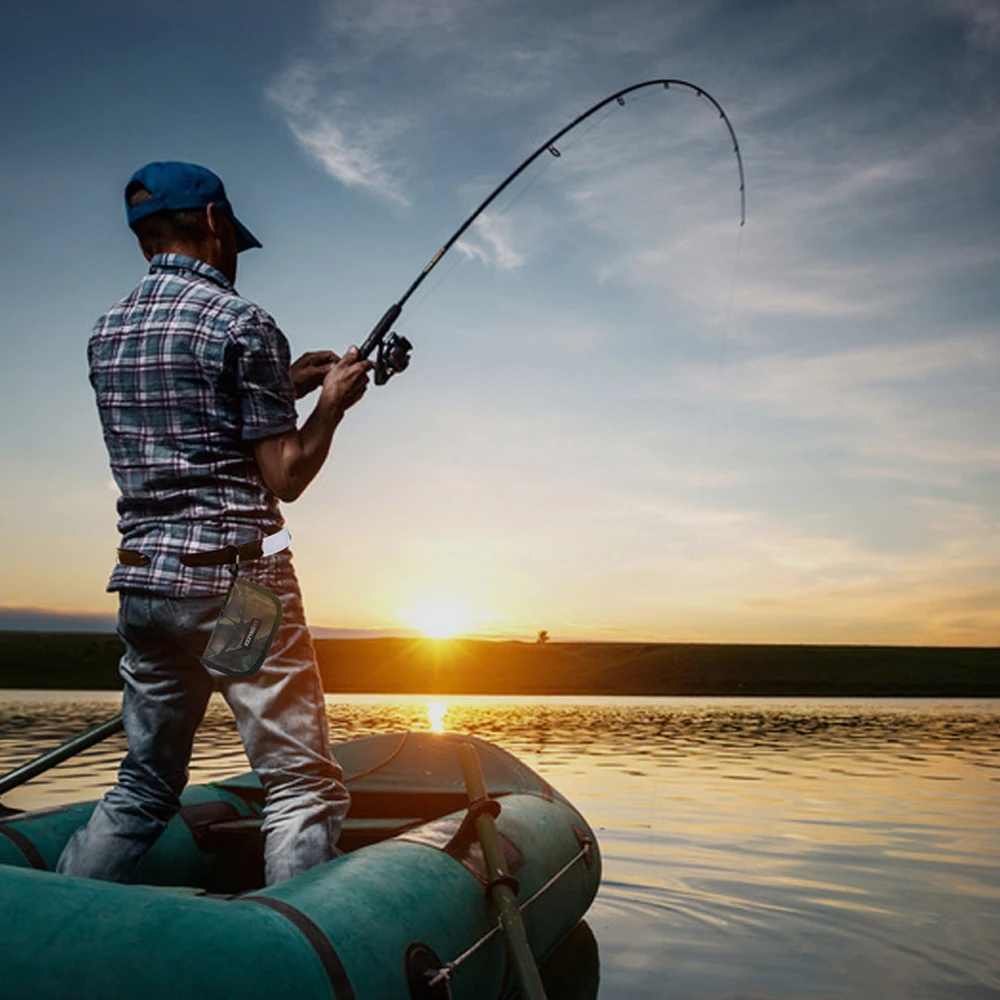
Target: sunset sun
(438,618)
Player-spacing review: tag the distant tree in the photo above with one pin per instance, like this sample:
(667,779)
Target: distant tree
(543,637)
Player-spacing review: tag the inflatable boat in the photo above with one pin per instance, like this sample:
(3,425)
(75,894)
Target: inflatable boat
(403,913)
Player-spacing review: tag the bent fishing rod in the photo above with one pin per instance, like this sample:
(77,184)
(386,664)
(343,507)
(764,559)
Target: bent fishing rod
(393,351)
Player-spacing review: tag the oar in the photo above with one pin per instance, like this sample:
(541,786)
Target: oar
(499,879)
(56,756)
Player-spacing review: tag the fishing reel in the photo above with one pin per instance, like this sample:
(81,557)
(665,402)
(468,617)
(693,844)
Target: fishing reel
(392,351)
(392,358)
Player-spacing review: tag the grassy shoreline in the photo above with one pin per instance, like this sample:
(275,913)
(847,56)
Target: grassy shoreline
(88,661)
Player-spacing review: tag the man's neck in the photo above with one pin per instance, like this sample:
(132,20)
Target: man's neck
(207,253)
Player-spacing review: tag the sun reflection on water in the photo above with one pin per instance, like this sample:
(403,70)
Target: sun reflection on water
(436,712)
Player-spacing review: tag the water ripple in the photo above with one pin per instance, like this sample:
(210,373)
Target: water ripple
(752,848)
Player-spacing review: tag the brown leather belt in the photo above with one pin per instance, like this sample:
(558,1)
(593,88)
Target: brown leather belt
(129,557)
(213,557)
(218,557)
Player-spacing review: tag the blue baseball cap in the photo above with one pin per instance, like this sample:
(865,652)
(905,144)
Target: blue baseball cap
(176,186)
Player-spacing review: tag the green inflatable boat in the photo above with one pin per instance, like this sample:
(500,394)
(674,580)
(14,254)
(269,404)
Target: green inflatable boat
(402,914)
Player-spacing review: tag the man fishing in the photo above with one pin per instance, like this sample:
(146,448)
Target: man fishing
(196,395)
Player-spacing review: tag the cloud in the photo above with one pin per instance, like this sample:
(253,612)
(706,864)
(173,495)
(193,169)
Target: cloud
(652,192)
(822,208)
(946,592)
(349,149)
(872,400)
(857,171)
(453,63)
(810,477)
(981,20)
(775,571)
(946,612)
(802,379)
(494,245)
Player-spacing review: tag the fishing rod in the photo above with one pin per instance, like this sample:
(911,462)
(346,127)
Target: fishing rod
(393,357)
(392,350)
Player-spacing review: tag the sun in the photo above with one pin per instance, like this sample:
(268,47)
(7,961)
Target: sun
(438,618)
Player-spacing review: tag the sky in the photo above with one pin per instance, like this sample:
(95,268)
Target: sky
(626,418)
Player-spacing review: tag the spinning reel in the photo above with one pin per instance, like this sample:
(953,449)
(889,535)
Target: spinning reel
(392,358)
(393,351)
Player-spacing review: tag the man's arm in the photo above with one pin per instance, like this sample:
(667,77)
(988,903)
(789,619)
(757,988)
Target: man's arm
(289,462)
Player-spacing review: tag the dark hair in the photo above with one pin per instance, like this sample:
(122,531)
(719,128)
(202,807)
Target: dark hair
(157,233)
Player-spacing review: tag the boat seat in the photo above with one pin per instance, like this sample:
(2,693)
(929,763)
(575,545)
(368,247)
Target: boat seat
(355,833)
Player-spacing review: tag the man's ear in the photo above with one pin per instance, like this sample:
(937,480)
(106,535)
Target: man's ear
(146,253)
(214,215)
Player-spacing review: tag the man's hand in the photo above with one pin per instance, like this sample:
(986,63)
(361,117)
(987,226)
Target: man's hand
(309,371)
(346,381)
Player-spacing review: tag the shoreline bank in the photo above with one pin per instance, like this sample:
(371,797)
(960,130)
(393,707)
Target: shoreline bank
(88,661)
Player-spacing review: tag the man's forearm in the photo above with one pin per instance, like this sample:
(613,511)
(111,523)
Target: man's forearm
(315,437)
(289,462)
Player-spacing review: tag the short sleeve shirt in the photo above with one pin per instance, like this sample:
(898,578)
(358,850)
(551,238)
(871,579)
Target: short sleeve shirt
(188,374)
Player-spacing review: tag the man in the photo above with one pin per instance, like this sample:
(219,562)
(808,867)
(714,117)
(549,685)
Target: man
(197,402)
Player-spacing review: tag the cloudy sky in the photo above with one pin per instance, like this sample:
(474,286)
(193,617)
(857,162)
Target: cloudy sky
(625,417)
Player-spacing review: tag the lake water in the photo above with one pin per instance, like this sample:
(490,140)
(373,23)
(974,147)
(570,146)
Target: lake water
(753,848)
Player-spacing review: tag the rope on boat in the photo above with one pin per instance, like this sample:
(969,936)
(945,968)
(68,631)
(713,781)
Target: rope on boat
(382,763)
(449,967)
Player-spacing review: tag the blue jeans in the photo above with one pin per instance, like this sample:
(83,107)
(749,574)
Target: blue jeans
(281,718)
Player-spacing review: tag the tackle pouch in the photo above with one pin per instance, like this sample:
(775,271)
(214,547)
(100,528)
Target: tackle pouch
(246,628)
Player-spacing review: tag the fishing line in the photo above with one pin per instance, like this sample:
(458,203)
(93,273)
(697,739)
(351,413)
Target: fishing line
(392,350)
(732,293)
(443,277)
(465,255)
(708,453)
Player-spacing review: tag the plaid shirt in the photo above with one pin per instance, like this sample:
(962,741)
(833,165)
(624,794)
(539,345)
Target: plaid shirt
(188,375)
